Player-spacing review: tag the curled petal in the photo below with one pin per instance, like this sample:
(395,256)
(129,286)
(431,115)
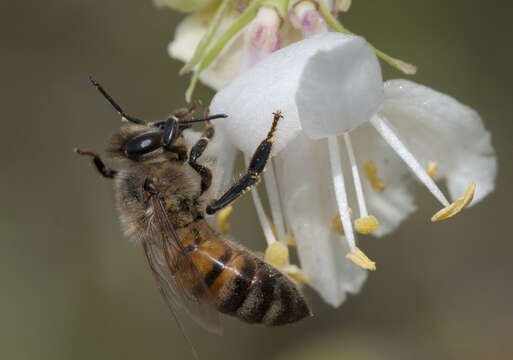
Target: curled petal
(436,127)
(301,80)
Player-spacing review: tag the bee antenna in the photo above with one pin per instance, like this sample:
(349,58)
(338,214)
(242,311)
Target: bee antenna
(124,116)
(206,118)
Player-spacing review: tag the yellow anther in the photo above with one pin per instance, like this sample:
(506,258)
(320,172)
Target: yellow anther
(372,175)
(222,219)
(336,223)
(431,170)
(290,240)
(456,206)
(296,273)
(366,224)
(124,119)
(277,254)
(360,259)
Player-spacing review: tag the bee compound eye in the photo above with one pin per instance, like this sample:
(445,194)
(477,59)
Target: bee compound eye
(142,144)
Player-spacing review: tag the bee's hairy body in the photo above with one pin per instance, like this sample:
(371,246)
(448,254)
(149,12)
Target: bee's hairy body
(242,284)
(162,195)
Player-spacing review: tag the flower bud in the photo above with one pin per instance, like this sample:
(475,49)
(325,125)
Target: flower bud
(262,37)
(304,16)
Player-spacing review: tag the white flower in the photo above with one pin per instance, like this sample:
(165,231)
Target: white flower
(338,115)
(188,35)
(220,39)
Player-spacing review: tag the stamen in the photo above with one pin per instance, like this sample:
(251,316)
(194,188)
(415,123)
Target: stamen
(336,223)
(295,273)
(365,224)
(277,254)
(431,170)
(372,175)
(290,240)
(274,202)
(340,191)
(360,259)
(222,219)
(262,217)
(356,176)
(456,206)
(385,130)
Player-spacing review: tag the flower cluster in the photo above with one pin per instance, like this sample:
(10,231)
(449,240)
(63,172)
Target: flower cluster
(219,39)
(340,121)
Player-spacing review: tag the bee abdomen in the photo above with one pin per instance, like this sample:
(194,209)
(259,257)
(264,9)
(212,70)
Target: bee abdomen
(262,294)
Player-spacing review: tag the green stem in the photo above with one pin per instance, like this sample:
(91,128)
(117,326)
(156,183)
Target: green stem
(244,19)
(209,35)
(337,26)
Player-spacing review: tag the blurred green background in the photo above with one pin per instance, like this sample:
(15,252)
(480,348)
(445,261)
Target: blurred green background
(73,288)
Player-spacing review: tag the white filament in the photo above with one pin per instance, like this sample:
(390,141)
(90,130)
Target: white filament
(356,176)
(340,191)
(274,201)
(262,217)
(384,129)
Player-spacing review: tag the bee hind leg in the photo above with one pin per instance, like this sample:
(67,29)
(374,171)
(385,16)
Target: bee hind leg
(104,170)
(256,166)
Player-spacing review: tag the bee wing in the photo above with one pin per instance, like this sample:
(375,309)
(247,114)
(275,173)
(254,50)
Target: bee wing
(179,280)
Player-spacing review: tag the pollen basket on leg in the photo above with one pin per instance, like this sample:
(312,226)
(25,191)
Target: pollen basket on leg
(222,219)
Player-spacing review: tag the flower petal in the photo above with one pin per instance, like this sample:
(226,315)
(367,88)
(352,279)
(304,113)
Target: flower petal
(339,89)
(188,35)
(309,204)
(274,82)
(436,127)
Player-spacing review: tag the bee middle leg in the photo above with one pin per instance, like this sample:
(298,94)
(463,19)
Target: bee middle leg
(103,169)
(256,166)
(196,151)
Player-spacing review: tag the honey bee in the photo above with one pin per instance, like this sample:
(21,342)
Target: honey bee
(162,196)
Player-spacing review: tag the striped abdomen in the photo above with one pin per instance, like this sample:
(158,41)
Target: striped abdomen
(241,284)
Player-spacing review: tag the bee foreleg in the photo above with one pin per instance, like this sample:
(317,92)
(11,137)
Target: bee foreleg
(98,162)
(256,166)
(196,151)
(184,112)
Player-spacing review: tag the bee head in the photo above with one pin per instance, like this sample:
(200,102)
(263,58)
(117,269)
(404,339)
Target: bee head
(136,142)
(141,140)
